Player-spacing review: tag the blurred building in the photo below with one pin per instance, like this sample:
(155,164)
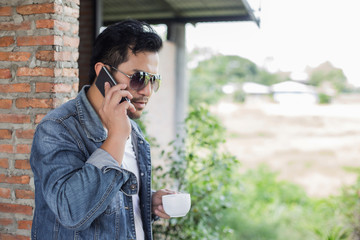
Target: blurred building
(291,92)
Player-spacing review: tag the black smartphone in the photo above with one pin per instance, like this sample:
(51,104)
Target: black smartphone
(105,76)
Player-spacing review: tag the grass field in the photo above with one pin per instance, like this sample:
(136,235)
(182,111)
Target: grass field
(310,145)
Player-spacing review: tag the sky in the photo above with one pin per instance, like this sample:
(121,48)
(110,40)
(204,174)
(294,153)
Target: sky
(293,34)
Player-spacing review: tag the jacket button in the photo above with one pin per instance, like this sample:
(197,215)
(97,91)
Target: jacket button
(141,141)
(142,174)
(133,186)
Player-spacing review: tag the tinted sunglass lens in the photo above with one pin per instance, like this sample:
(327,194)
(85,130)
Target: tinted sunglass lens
(137,81)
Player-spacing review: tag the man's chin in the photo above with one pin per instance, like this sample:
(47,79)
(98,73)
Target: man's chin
(134,115)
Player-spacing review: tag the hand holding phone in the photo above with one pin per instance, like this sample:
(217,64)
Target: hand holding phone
(105,76)
(114,117)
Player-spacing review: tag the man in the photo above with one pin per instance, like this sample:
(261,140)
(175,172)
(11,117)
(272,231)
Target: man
(91,164)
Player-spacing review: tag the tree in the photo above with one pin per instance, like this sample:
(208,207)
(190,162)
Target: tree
(209,77)
(326,73)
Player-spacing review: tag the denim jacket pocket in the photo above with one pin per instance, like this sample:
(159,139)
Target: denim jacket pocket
(116,205)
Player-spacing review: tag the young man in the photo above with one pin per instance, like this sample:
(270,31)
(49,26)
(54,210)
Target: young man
(91,164)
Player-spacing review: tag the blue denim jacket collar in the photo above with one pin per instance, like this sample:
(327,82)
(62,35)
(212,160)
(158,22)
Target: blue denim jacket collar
(89,119)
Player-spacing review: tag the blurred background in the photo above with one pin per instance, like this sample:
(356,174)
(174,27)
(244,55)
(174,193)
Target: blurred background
(287,90)
(287,93)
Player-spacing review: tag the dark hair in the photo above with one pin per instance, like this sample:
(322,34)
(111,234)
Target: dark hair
(112,45)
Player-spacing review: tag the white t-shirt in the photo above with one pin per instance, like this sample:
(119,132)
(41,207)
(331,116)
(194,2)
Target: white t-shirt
(129,163)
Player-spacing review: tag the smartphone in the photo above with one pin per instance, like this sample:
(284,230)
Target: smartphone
(105,76)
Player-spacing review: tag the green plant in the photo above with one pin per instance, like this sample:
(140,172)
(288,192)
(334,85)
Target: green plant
(209,77)
(142,125)
(254,205)
(349,204)
(271,209)
(324,98)
(207,173)
(327,73)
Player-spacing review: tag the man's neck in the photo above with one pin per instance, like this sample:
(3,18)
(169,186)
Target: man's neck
(95,98)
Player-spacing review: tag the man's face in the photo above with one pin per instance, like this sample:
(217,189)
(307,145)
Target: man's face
(143,61)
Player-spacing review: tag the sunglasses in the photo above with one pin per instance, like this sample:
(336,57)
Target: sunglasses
(139,80)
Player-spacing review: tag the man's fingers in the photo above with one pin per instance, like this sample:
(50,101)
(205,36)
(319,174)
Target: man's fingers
(113,95)
(161,213)
(106,87)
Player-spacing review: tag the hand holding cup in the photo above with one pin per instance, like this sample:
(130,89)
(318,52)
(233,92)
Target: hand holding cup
(176,205)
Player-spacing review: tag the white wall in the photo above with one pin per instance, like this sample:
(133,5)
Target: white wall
(159,117)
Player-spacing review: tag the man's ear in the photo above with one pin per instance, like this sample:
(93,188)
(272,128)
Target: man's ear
(98,67)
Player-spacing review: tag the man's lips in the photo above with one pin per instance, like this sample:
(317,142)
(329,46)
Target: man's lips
(139,103)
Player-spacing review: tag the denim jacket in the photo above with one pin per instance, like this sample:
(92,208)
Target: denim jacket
(80,190)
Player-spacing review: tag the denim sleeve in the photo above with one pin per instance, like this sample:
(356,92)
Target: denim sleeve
(103,161)
(75,187)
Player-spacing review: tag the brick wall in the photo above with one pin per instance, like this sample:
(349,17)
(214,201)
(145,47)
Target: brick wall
(38,71)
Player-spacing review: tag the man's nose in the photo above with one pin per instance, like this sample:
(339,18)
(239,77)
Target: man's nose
(147,90)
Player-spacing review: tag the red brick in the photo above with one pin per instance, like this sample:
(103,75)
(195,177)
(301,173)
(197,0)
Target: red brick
(75,56)
(14,56)
(6,221)
(39,8)
(15,88)
(53,87)
(22,164)
(54,56)
(23,148)
(5,192)
(39,40)
(5,134)
(23,179)
(11,26)
(6,148)
(13,237)
(5,103)
(24,224)
(26,134)
(39,117)
(63,26)
(5,11)
(24,194)
(71,41)
(73,12)
(6,41)
(34,103)
(45,55)
(52,23)
(60,101)
(34,72)
(45,23)
(4,163)
(76,87)
(14,118)
(64,56)
(15,208)
(66,72)
(5,73)
(75,28)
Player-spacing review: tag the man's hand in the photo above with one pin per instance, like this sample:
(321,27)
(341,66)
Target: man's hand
(114,117)
(157,207)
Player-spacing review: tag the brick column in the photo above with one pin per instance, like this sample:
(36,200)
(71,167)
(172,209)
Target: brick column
(38,71)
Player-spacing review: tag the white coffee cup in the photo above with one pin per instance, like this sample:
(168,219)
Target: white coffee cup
(176,205)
